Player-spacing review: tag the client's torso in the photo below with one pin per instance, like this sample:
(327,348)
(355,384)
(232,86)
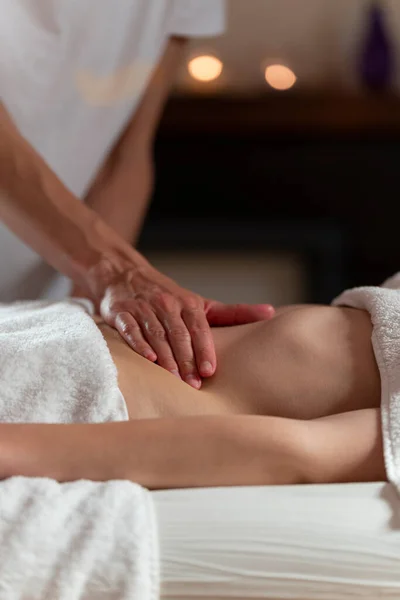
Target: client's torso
(307,362)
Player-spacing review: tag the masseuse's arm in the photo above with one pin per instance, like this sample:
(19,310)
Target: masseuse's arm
(158,318)
(122,190)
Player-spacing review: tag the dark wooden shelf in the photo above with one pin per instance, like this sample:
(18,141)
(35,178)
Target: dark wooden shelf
(283,162)
(294,114)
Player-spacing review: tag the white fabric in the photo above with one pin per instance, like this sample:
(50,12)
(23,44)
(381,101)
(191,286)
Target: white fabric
(89,540)
(383,304)
(77,541)
(319,542)
(72,73)
(55,366)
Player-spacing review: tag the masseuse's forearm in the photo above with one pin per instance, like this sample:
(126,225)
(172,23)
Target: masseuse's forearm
(121,193)
(159,453)
(38,208)
(122,190)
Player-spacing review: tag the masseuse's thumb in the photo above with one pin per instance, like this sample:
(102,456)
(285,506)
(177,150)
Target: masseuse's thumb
(223,315)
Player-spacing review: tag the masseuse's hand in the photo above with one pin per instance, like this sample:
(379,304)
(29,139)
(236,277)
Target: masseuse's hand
(168,324)
(154,315)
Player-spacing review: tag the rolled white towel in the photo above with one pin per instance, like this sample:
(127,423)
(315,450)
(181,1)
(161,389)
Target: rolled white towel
(383,304)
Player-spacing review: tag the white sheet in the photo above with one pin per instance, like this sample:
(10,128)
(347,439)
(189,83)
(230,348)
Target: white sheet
(329,542)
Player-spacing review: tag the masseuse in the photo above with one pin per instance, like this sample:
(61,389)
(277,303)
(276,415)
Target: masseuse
(82,87)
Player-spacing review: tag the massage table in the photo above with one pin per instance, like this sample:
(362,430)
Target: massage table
(114,540)
(319,542)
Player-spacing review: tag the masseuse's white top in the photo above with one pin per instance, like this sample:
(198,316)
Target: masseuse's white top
(71,74)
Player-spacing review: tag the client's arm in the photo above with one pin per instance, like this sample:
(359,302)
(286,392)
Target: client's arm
(200,451)
(158,453)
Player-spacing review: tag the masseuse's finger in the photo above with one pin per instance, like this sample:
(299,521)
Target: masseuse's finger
(181,343)
(129,329)
(202,341)
(220,314)
(156,336)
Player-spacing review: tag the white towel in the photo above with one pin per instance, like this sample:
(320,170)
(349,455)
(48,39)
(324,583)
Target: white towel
(81,540)
(383,304)
(55,366)
(77,541)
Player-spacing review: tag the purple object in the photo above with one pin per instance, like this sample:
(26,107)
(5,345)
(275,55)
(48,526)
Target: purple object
(377,58)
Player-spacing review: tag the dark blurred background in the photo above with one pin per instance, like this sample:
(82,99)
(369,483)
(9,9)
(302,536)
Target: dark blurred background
(291,194)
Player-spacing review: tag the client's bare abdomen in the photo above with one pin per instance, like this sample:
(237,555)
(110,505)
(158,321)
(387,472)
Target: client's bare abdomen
(307,362)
